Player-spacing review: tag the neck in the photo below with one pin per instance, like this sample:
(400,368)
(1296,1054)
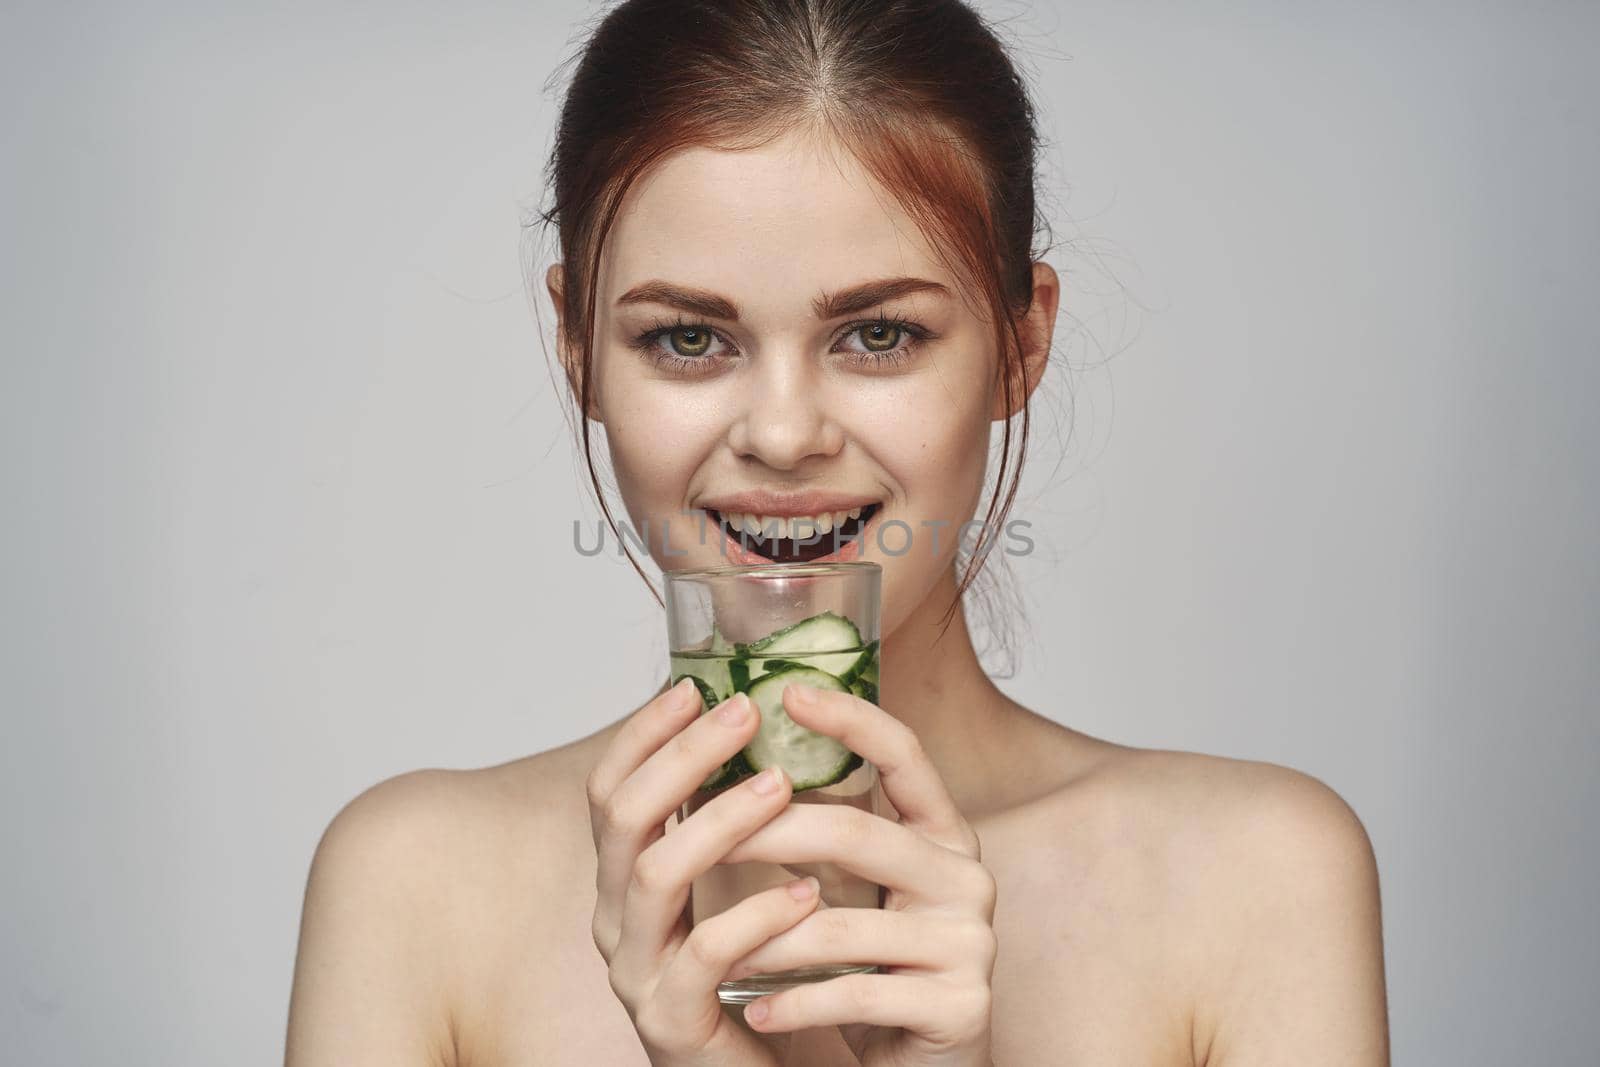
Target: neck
(932,682)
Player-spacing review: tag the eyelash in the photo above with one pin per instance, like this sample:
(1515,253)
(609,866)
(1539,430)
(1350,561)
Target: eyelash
(646,343)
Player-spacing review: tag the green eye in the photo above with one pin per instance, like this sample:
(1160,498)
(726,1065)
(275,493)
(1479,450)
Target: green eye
(878,334)
(696,341)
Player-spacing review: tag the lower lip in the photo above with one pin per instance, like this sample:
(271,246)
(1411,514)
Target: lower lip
(847,553)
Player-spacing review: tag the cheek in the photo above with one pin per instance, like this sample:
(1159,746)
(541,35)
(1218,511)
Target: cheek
(930,433)
(658,437)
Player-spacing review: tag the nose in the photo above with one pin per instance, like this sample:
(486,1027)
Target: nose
(784,420)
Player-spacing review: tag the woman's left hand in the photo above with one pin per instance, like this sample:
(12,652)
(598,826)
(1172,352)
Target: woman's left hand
(933,937)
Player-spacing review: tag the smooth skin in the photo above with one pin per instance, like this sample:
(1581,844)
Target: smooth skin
(1125,905)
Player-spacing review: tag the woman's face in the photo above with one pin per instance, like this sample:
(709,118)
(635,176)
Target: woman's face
(773,397)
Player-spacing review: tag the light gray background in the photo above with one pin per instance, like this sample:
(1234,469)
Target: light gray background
(288,502)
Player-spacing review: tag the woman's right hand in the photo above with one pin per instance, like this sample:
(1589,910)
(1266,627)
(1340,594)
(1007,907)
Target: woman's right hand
(666,974)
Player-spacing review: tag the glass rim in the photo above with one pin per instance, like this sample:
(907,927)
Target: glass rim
(772,570)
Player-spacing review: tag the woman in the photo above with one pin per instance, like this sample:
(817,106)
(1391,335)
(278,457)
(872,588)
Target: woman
(796,277)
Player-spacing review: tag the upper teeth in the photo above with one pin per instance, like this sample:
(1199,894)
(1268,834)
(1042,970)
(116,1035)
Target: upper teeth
(792,526)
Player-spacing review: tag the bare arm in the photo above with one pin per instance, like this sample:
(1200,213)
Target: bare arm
(369,976)
(1301,956)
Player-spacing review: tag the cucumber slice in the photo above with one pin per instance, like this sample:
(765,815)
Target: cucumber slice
(864,683)
(708,696)
(842,665)
(755,668)
(810,759)
(710,666)
(826,641)
(752,669)
(729,772)
(826,631)
(711,671)
(867,660)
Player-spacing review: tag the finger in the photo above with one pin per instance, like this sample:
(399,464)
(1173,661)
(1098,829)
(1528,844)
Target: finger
(644,732)
(658,884)
(909,778)
(919,940)
(701,964)
(641,734)
(634,814)
(943,1013)
(882,851)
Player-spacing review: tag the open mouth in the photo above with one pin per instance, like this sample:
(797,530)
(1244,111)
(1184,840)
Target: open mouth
(794,539)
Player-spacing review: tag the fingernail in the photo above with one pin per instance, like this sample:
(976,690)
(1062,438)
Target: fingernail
(756,1011)
(803,694)
(802,889)
(734,709)
(766,783)
(681,690)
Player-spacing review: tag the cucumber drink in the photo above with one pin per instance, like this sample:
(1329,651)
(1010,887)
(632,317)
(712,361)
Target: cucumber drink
(825,651)
(836,648)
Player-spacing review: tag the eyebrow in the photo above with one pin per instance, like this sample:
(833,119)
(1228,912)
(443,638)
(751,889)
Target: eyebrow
(827,306)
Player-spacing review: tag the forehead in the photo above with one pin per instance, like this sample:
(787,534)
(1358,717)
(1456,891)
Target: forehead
(771,227)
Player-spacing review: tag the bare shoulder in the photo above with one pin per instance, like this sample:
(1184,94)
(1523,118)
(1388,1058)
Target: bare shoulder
(414,887)
(466,839)
(1221,802)
(1243,831)
(465,816)
(1262,890)
(370,985)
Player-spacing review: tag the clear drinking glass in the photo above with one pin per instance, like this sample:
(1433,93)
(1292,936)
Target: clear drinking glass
(754,629)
